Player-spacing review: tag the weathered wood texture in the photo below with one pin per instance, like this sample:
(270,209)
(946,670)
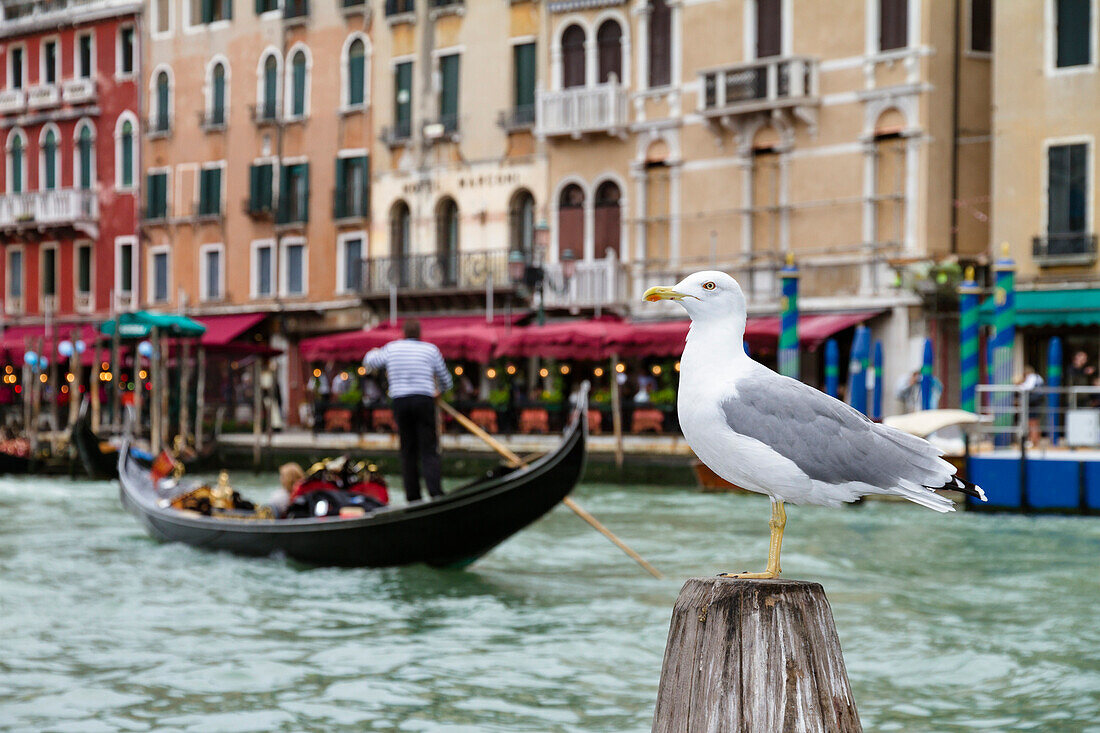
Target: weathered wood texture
(753,655)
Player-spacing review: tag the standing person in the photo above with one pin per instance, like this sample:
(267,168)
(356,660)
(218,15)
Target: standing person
(1081,373)
(416,374)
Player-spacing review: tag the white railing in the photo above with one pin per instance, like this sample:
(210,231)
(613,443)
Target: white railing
(779,81)
(578,110)
(13,305)
(60,206)
(78,91)
(84,303)
(43,95)
(12,101)
(596,283)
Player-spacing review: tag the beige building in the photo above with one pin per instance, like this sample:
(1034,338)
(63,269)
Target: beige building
(728,133)
(1046,93)
(256,159)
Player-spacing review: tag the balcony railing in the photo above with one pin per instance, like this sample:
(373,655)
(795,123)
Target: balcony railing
(349,204)
(580,110)
(12,101)
(158,126)
(212,120)
(1074,248)
(434,272)
(779,81)
(43,95)
(521,117)
(596,283)
(397,135)
(265,113)
(78,91)
(63,206)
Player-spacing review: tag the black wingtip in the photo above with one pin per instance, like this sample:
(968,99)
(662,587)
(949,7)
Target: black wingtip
(963,486)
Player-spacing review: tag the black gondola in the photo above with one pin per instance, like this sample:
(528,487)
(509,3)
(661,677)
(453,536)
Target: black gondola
(13,464)
(453,531)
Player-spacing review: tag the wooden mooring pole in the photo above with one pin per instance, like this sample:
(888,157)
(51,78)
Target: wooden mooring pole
(753,655)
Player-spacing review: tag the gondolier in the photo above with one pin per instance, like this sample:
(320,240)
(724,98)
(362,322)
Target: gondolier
(416,374)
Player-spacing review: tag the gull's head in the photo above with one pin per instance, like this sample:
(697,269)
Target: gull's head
(707,295)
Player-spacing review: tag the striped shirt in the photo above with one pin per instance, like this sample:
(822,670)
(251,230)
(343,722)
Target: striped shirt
(412,367)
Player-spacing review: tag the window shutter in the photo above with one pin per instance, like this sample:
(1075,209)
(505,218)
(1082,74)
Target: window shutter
(340,206)
(267,194)
(1074,29)
(524,55)
(448,98)
(572,52)
(660,43)
(356,70)
(207,11)
(299,101)
(893,24)
(303,209)
(254,189)
(127,146)
(769,25)
(162,102)
(403,96)
(260,7)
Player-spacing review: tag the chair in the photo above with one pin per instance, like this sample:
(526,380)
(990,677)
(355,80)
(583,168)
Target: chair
(338,418)
(485,418)
(647,419)
(595,420)
(382,419)
(534,420)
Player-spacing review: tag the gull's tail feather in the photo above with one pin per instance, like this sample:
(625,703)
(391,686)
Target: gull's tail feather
(925,497)
(962,485)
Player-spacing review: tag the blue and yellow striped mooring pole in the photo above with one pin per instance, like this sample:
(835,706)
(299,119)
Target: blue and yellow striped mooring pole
(788,332)
(969,305)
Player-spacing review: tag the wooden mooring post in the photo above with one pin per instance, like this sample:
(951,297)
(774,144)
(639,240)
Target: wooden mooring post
(753,655)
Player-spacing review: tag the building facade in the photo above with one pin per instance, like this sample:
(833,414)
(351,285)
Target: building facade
(729,133)
(1047,117)
(69,110)
(257,123)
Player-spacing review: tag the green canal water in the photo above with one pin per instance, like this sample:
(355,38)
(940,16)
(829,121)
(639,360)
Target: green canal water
(948,623)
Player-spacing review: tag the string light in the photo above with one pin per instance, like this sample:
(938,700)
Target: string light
(42,378)
(7,369)
(143,374)
(362,371)
(344,376)
(676,366)
(511,369)
(491,373)
(64,389)
(620,367)
(598,371)
(316,372)
(70,377)
(459,370)
(656,369)
(544,372)
(564,368)
(104,366)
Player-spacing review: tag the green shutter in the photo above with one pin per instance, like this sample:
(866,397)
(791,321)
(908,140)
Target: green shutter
(340,204)
(403,96)
(17,166)
(266,193)
(219,94)
(216,190)
(254,188)
(49,153)
(356,70)
(207,11)
(127,156)
(525,74)
(303,209)
(299,101)
(162,101)
(85,149)
(448,98)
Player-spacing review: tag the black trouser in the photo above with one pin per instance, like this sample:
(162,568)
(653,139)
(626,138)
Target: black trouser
(416,426)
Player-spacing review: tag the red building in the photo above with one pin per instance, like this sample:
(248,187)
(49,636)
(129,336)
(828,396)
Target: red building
(69,74)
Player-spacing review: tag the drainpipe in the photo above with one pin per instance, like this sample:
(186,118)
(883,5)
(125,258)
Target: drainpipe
(955,134)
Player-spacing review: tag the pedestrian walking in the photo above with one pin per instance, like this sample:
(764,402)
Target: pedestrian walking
(416,374)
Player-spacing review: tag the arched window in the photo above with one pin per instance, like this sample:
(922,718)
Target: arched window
(609,38)
(521,215)
(164,103)
(299,81)
(125,162)
(608,224)
(400,243)
(571,221)
(446,239)
(84,157)
(357,73)
(217,95)
(572,57)
(16,162)
(270,88)
(48,174)
(660,43)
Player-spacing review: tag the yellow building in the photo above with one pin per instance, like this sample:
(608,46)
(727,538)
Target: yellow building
(853,134)
(256,160)
(1046,93)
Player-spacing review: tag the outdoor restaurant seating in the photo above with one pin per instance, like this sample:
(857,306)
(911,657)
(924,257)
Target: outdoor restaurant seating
(485,418)
(595,421)
(382,419)
(338,418)
(534,420)
(647,419)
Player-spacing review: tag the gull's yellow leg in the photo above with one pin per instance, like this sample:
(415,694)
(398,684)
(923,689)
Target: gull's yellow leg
(777,524)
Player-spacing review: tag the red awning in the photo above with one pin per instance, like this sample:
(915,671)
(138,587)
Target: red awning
(458,337)
(586,340)
(222,329)
(13,343)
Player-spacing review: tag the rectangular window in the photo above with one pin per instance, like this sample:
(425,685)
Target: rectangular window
(49,62)
(49,272)
(16,68)
(126,50)
(294,275)
(212,10)
(769,28)
(402,108)
(448,94)
(294,194)
(84,56)
(125,269)
(164,8)
(981,26)
(84,269)
(893,24)
(1067,189)
(160,277)
(262,270)
(156,203)
(352,187)
(1074,28)
(212,274)
(353,265)
(266,6)
(15,273)
(260,198)
(210,192)
(524,70)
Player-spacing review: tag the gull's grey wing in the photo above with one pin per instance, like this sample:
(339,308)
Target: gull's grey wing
(827,439)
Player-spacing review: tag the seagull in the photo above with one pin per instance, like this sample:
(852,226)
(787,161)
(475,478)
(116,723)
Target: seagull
(777,436)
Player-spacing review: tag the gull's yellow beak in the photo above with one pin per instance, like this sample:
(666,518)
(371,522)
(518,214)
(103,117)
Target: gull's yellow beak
(663,293)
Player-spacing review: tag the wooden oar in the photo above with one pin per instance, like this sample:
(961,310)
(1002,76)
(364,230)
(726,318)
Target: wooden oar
(516,462)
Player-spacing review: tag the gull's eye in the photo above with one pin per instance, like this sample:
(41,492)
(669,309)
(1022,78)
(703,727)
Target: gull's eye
(709,286)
